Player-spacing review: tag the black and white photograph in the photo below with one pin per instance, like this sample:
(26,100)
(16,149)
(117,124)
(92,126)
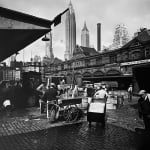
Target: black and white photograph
(74,75)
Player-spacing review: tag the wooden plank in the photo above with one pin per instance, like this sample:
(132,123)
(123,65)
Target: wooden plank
(71,101)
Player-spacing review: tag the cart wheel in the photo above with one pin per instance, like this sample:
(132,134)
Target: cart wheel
(71,114)
(74,114)
(67,114)
(52,113)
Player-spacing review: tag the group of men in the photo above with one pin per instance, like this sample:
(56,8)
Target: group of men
(143,102)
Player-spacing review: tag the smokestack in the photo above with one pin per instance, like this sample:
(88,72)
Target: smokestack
(99,37)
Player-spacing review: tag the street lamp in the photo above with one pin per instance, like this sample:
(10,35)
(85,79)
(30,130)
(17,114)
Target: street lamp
(55,21)
(45,38)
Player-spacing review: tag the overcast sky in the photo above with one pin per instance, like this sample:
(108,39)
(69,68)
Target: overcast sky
(133,13)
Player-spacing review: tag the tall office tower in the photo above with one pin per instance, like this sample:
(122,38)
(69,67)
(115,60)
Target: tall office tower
(120,37)
(85,36)
(70,24)
(49,49)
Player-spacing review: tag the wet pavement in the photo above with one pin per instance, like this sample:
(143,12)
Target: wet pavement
(28,129)
(72,137)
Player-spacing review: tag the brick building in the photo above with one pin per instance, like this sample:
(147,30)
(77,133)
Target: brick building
(120,65)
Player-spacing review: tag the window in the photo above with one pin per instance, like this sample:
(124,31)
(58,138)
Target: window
(92,62)
(125,57)
(147,52)
(112,59)
(135,55)
(135,44)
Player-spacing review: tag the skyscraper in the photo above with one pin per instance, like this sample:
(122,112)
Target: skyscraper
(121,36)
(85,36)
(70,24)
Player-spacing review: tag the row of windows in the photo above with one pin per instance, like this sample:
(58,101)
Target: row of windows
(106,59)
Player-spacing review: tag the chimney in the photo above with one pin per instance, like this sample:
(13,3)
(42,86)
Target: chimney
(99,37)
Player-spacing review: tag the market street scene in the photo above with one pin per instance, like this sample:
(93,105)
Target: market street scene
(74,75)
(28,129)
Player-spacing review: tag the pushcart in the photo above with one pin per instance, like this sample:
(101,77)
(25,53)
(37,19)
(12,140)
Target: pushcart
(67,108)
(97,111)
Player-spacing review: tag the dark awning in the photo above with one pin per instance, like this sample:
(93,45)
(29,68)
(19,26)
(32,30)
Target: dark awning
(17,30)
(107,77)
(13,40)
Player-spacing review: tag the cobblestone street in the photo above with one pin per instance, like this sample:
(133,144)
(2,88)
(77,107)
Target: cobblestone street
(74,75)
(76,136)
(27,129)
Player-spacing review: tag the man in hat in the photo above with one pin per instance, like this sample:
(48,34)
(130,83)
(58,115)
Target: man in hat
(49,95)
(144,108)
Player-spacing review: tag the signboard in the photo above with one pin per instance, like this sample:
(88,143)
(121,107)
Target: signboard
(135,62)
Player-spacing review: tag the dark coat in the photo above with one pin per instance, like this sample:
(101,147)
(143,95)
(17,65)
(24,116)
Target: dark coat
(144,106)
(50,94)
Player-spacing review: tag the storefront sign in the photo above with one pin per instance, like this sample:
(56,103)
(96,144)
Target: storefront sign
(135,62)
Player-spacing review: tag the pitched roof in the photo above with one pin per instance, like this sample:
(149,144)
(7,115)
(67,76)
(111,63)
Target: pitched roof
(88,51)
(142,37)
(57,60)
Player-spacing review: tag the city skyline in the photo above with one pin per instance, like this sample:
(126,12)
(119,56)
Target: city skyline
(134,14)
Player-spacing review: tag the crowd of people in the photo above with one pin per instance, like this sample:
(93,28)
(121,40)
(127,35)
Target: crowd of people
(47,91)
(50,91)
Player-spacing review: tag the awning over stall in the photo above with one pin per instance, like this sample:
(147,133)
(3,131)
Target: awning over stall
(17,30)
(13,40)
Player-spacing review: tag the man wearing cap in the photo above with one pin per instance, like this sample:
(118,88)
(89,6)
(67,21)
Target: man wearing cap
(144,108)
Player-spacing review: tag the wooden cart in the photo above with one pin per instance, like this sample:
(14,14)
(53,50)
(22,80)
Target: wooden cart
(97,111)
(66,108)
